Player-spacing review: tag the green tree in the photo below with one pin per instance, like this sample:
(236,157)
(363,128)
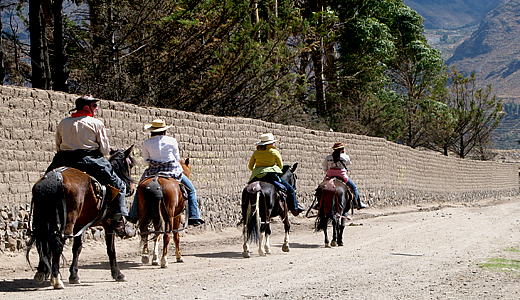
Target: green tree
(476,110)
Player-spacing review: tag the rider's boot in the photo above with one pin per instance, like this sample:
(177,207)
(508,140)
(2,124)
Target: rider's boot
(120,228)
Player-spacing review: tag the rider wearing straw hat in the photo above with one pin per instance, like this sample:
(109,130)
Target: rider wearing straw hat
(82,143)
(266,165)
(335,165)
(161,152)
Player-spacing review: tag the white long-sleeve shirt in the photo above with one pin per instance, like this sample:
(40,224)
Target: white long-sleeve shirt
(329,163)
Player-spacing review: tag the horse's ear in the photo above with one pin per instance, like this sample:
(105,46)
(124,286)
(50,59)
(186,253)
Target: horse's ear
(187,161)
(129,151)
(112,151)
(294,167)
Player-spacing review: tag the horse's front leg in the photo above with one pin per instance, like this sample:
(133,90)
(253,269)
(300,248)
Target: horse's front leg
(334,232)
(76,250)
(287,227)
(111,251)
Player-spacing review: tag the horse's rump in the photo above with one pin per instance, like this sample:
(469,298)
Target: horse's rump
(160,199)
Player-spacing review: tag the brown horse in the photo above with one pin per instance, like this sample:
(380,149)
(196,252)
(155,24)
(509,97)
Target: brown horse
(260,203)
(64,205)
(161,204)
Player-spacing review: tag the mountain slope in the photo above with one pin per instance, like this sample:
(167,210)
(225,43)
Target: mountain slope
(493,52)
(452,14)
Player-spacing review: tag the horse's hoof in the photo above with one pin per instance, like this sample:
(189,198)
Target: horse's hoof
(145,259)
(333,244)
(39,278)
(261,253)
(246,254)
(340,244)
(119,278)
(74,280)
(285,248)
(155,263)
(180,260)
(57,283)
(327,245)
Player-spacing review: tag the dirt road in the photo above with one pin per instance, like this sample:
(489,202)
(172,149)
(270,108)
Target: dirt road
(428,252)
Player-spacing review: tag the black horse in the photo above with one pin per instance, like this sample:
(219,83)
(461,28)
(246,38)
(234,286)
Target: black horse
(335,201)
(260,203)
(65,203)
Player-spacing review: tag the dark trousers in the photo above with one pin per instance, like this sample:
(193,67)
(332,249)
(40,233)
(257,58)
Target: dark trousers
(97,166)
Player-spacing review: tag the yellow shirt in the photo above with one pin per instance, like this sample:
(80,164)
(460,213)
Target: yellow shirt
(265,161)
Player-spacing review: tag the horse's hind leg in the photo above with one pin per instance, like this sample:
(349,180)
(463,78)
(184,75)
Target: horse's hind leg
(55,266)
(261,251)
(245,246)
(111,251)
(287,227)
(334,233)
(76,250)
(43,271)
(155,255)
(164,258)
(341,228)
(177,240)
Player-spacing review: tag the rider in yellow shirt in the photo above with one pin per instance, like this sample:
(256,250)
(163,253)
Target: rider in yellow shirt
(266,165)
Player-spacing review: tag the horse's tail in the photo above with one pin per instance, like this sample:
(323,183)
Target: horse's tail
(326,212)
(155,206)
(48,218)
(251,215)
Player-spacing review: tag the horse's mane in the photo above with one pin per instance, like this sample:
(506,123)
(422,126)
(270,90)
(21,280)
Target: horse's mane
(117,160)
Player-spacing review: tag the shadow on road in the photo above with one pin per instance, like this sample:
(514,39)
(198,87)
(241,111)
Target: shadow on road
(21,285)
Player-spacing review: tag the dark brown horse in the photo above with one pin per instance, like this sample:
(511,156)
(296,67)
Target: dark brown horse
(334,200)
(64,205)
(260,203)
(161,204)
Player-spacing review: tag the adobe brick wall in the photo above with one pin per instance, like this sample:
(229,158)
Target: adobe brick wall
(220,147)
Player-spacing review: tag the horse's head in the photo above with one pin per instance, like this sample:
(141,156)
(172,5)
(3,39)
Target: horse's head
(289,175)
(185,163)
(123,162)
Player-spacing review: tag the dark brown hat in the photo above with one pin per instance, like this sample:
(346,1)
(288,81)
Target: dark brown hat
(84,100)
(338,146)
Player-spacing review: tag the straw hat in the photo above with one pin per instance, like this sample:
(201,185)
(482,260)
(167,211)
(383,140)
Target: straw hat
(157,125)
(337,146)
(266,139)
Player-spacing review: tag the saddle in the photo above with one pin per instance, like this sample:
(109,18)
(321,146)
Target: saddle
(281,190)
(184,188)
(326,193)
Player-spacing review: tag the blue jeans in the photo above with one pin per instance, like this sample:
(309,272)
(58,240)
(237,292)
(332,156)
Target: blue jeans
(353,186)
(292,203)
(193,207)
